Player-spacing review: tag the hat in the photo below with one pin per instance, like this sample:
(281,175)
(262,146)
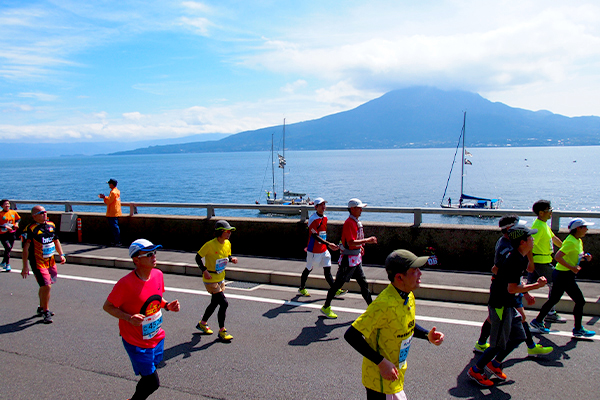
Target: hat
(113,181)
(142,245)
(577,222)
(319,200)
(223,225)
(518,222)
(520,232)
(399,261)
(356,203)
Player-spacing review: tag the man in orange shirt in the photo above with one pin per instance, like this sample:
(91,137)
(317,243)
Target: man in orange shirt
(113,210)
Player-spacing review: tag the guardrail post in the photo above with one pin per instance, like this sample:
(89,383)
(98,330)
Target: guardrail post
(132,209)
(303,213)
(68,207)
(418,214)
(210,212)
(555,221)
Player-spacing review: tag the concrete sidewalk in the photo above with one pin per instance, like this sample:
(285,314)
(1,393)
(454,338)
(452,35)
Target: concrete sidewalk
(437,284)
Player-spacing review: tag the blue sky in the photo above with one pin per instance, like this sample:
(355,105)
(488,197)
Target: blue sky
(132,70)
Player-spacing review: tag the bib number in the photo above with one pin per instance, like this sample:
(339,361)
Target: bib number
(48,250)
(404,348)
(220,265)
(323,235)
(151,325)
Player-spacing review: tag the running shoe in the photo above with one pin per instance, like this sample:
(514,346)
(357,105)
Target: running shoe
(538,327)
(583,332)
(304,292)
(204,328)
(47,317)
(40,312)
(340,292)
(480,348)
(328,313)
(490,369)
(7,267)
(554,317)
(480,378)
(539,350)
(223,335)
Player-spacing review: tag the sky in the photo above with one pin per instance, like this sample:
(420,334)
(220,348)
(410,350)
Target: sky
(126,70)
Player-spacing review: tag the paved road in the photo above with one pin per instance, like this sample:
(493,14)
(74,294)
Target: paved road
(282,347)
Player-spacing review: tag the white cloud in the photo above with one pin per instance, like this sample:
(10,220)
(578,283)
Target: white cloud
(135,116)
(39,96)
(294,86)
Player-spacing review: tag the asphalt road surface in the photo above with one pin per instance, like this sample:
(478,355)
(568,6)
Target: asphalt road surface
(283,348)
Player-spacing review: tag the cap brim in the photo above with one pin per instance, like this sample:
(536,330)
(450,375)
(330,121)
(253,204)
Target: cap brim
(151,248)
(419,262)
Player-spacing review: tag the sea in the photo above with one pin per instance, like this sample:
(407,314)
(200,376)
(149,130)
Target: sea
(568,176)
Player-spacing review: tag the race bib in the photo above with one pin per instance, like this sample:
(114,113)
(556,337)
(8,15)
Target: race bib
(151,325)
(323,235)
(404,348)
(48,250)
(220,265)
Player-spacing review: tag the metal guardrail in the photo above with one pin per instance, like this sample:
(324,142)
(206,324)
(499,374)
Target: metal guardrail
(304,210)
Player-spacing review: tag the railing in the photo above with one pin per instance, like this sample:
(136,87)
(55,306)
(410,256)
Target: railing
(304,210)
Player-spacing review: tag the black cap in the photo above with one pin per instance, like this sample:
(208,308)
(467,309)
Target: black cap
(520,232)
(223,225)
(113,181)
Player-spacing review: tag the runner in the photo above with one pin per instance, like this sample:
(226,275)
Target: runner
(40,242)
(507,330)
(316,250)
(137,301)
(216,253)
(383,333)
(351,252)
(9,223)
(503,249)
(543,247)
(568,258)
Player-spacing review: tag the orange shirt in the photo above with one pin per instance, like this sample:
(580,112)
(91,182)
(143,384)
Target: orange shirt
(113,203)
(8,217)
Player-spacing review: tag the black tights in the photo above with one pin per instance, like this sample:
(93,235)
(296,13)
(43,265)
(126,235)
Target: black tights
(217,299)
(564,281)
(326,272)
(8,240)
(146,386)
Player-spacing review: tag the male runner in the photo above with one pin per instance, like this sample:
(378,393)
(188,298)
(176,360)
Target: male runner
(137,301)
(40,242)
(383,333)
(506,326)
(543,247)
(316,250)
(113,210)
(350,261)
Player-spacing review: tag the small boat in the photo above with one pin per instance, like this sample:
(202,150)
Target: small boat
(290,199)
(465,200)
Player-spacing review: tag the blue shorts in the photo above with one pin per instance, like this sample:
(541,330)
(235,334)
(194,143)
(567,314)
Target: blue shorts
(143,360)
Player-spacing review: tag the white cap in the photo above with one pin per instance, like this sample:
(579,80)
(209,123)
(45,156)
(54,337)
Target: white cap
(142,245)
(356,203)
(577,222)
(319,200)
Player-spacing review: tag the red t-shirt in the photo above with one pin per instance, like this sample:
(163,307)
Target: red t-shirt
(317,225)
(351,231)
(135,296)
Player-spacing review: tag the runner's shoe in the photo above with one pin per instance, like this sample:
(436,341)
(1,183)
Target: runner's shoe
(40,312)
(304,292)
(204,328)
(490,369)
(480,378)
(583,332)
(340,292)
(538,327)
(539,350)
(47,317)
(554,317)
(328,313)
(223,335)
(480,348)
(7,267)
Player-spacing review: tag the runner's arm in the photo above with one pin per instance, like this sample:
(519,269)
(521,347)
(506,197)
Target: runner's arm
(135,320)
(24,256)
(358,342)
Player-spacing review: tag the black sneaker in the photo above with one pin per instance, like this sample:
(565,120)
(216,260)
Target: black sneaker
(40,312)
(48,317)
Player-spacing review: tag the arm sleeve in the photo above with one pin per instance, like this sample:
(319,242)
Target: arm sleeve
(200,263)
(420,332)
(358,342)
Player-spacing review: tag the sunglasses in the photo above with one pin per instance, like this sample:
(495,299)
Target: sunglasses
(41,212)
(150,254)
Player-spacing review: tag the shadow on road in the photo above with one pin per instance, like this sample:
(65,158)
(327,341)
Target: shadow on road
(20,325)
(317,333)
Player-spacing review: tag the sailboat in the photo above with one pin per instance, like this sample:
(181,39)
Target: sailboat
(465,200)
(289,198)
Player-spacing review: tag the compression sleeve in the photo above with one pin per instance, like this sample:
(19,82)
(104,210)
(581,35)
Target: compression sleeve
(200,263)
(421,332)
(358,342)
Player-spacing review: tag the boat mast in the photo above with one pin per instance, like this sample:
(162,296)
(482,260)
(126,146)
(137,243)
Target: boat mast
(283,167)
(272,164)
(462,175)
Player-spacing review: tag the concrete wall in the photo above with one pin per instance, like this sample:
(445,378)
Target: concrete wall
(458,247)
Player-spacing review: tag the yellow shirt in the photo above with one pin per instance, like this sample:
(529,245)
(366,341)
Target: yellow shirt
(573,252)
(542,242)
(388,326)
(215,257)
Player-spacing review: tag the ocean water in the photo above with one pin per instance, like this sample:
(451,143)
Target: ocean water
(568,176)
